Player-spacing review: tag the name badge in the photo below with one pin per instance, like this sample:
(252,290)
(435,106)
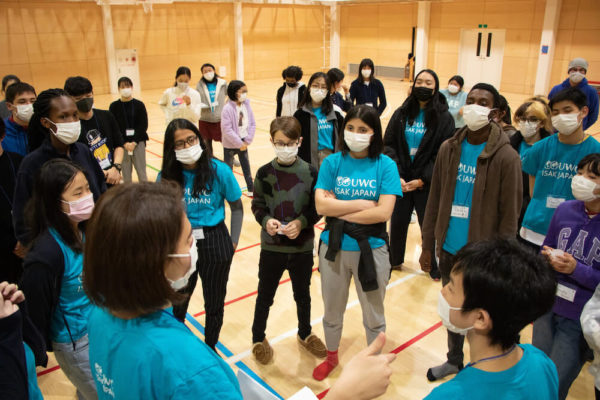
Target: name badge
(413,151)
(198,233)
(565,292)
(553,202)
(460,211)
(369,104)
(280,231)
(105,164)
(129,132)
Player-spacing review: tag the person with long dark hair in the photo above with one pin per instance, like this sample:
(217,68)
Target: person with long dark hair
(207,183)
(366,89)
(181,100)
(290,95)
(321,124)
(57,304)
(456,98)
(213,96)
(412,139)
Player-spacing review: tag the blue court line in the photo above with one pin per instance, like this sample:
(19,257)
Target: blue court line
(238,364)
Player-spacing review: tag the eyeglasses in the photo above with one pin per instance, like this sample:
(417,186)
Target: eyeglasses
(282,146)
(190,141)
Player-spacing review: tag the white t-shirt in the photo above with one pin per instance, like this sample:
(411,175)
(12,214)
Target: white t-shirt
(243,129)
(174,106)
(289,100)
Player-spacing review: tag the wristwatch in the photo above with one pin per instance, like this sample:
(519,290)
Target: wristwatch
(117,166)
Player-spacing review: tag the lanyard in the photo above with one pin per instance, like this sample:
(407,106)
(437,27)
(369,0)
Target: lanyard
(127,116)
(12,167)
(514,346)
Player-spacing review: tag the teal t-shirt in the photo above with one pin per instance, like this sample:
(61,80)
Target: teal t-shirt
(325,130)
(458,228)
(355,179)
(455,103)
(32,383)
(523,148)
(155,356)
(533,377)
(212,91)
(208,209)
(73,304)
(553,164)
(414,134)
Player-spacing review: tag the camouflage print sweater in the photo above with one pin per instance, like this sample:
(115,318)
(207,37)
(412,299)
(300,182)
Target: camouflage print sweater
(286,193)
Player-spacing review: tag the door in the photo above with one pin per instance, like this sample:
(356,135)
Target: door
(480,56)
(127,65)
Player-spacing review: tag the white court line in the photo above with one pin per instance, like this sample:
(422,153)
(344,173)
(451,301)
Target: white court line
(241,356)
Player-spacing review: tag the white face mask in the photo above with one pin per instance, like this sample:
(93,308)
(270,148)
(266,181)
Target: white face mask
(209,76)
(576,77)
(183,86)
(243,97)
(453,89)
(357,141)
(566,124)
(528,128)
(66,132)
(476,116)
(366,73)
(126,92)
(318,95)
(287,155)
(444,313)
(189,155)
(24,112)
(583,188)
(193,255)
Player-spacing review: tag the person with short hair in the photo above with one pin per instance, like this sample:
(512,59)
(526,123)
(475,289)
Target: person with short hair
(343,102)
(132,118)
(181,100)
(284,206)
(577,71)
(456,98)
(290,95)
(213,96)
(366,89)
(99,129)
(20,97)
(496,289)
(7,80)
(57,303)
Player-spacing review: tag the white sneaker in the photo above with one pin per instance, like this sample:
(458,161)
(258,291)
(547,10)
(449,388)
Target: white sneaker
(250,194)
(413,217)
(236,163)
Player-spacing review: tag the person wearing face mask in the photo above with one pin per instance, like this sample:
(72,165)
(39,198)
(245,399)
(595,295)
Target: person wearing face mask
(577,70)
(356,191)
(552,162)
(19,100)
(99,129)
(55,116)
(238,127)
(496,289)
(213,95)
(132,117)
(534,120)
(570,247)
(290,95)
(475,194)
(284,206)
(7,80)
(321,125)
(412,139)
(181,100)
(207,183)
(366,89)
(456,98)
(343,102)
(56,301)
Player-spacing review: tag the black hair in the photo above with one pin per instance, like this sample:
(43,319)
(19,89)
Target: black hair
(292,71)
(459,79)
(435,106)
(366,62)
(124,79)
(233,88)
(182,71)
(8,78)
(514,285)
(489,88)
(173,169)
(44,210)
(335,75)
(504,107)
(571,94)
(591,163)
(2,129)
(78,86)
(214,69)
(327,104)
(36,132)
(16,89)
(369,116)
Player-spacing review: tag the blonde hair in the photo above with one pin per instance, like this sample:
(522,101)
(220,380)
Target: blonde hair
(538,107)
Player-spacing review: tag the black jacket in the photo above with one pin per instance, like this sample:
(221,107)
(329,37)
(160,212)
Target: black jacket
(397,149)
(9,167)
(373,93)
(131,115)
(280,93)
(339,100)
(306,152)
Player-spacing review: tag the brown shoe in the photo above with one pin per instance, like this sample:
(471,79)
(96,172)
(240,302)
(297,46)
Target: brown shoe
(314,345)
(263,352)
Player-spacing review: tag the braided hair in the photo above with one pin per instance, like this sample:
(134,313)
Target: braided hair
(36,133)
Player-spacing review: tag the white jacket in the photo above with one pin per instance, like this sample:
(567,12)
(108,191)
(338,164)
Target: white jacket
(174,107)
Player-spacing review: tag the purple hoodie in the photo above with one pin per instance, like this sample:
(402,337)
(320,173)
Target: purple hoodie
(230,135)
(574,232)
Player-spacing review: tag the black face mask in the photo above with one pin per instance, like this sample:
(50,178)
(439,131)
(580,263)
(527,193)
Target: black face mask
(292,85)
(85,105)
(422,93)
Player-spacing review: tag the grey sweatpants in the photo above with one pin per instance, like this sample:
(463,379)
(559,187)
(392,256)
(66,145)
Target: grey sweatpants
(335,284)
(138,159)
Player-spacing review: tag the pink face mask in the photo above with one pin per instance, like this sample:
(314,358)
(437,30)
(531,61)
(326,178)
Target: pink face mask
(81,210)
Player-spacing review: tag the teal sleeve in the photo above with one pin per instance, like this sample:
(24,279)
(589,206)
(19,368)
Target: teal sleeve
(214,383)
(229,185)
(531,158)
(446,391)
(325,180)
(390,179)
(158,176)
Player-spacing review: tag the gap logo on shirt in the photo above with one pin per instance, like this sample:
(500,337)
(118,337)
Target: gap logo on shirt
(577,248)
(353,187)
(105,382)
(204,197)
(559,170)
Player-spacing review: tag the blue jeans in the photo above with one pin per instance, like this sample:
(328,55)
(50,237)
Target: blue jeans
(75,363)
(562,340)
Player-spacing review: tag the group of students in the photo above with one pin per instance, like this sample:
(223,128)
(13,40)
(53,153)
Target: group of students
(107,274)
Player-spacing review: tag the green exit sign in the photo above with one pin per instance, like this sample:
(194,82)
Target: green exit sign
(482,25)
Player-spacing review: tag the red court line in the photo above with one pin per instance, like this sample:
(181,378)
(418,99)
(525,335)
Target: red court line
(47,371)
(248,247)
(153,153)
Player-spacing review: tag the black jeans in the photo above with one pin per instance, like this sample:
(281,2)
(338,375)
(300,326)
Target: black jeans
(270,269)
(244,162)
(455,341)
(215,253)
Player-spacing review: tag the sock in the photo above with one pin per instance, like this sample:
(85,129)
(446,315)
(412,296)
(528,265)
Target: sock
(325,368)
(442,371)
